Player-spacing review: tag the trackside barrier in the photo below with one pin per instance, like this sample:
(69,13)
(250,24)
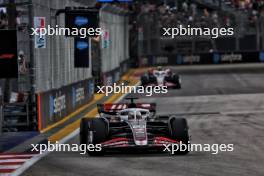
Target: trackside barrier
(54,105)
(202,58)
(124,66)
(111,77)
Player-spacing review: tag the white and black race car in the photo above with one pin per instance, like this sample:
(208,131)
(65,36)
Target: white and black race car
(161,77)
(134,126)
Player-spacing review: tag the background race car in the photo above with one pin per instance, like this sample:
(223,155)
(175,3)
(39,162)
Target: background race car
(134,126)
(161,77)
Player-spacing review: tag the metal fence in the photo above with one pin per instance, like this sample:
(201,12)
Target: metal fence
(55,64)
(152,42)
(114,43)
(50,70)
(52,66)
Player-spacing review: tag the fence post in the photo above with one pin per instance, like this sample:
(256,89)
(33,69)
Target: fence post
(1,111)
(262,31)
(258,34)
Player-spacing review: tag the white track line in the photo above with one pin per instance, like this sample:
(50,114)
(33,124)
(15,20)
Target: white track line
(13,160)
(37,157)
(28,164)
(9,167)
(15,156)
(5,174)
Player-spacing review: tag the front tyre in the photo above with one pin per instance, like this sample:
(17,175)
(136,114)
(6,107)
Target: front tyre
(179,132)
(93,131)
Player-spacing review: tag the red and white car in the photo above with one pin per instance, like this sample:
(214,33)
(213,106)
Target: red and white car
(161,77)
(132,125)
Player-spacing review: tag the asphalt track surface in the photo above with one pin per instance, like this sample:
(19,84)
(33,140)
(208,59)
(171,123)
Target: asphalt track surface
(220,108)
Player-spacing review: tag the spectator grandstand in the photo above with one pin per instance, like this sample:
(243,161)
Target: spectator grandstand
(185,14)
(149,17)
(255,8)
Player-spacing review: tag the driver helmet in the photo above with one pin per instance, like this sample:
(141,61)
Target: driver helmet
(169,72)
(138,115)
(131,115)
(159,68)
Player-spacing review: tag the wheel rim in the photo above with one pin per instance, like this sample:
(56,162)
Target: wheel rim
(90,137)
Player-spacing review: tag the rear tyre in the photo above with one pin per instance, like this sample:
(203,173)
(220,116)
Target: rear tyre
(93,131)
(179,132)
(84,131)
(144,80)
(176,80)
(152,79)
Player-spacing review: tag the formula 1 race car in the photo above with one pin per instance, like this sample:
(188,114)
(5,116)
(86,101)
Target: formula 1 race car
(161,77)
(132,126)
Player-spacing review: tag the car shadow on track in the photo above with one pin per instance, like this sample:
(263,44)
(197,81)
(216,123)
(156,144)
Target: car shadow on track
(134,154)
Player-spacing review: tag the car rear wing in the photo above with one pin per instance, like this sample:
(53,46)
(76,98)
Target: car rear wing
(113,108)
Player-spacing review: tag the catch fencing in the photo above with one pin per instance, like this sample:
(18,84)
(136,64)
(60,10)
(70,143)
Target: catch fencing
(153,45)
(49,71)
(60,87)
(114,44)
(54,65)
